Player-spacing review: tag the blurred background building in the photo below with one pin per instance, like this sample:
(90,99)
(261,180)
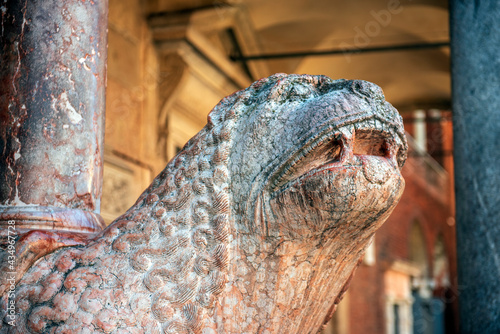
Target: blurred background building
(171,61)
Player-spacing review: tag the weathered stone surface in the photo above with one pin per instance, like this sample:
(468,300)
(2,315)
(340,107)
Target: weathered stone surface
(475,32)
(53,59)
(254,227)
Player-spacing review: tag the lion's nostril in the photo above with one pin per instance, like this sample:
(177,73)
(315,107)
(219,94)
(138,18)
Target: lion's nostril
(370,143)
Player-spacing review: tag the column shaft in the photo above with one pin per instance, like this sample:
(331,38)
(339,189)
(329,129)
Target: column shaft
(475,50)
(53,61)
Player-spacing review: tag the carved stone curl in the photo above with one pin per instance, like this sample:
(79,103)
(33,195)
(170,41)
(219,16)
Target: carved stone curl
(254,227)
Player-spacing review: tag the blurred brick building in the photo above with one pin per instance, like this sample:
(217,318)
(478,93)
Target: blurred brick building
(171,61)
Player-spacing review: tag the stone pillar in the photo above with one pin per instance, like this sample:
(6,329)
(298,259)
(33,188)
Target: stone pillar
(53,78)
(475,50)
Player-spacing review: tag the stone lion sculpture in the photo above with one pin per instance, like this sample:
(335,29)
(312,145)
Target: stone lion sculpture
(254,227)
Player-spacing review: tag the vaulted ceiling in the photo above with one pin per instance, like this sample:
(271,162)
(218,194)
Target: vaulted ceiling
(410,78)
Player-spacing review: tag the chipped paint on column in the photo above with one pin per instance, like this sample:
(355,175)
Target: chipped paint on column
(52,112)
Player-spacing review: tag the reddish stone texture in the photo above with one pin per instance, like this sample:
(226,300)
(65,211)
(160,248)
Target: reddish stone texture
(51,123)
(53,82)
(254,227)
(52,86)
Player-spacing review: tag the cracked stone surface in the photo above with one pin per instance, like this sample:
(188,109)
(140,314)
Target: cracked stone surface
(53,80)
(256,226)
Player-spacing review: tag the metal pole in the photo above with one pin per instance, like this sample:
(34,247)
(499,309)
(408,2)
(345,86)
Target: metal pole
(52,89)
(342,51)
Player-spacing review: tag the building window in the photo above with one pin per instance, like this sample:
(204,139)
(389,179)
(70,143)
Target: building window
(370,257)
(399,316)
(399,301)
(397,321)
(420,131)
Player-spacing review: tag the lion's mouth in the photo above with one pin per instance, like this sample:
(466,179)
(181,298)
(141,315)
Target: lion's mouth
(374,150)
(350,176)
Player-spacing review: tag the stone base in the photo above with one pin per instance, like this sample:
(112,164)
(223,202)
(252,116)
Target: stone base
(28,233)
(25,218)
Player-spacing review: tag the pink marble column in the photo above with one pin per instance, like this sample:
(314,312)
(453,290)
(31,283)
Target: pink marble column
(53,78)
